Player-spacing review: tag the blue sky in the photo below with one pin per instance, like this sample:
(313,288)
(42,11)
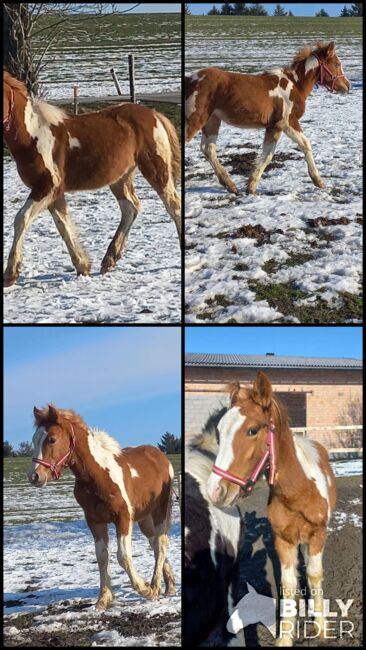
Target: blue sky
(123,380)
(297,8)
(296,341)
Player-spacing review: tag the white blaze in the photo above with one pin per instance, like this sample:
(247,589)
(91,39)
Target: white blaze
(228,426)
(38,439)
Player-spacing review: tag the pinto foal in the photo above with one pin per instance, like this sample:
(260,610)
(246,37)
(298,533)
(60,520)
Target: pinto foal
(273,100)
(254,433)
(56,152)
(112,485)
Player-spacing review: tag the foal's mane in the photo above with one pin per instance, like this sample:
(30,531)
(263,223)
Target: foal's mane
(303,53)
(48,113)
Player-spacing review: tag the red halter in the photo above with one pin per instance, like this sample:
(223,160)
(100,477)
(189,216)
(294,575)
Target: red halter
(268,459)
(54,466)
(325,70)
(7,119)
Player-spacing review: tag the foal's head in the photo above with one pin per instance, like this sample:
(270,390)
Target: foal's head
(331,72)
(53,444)
(243,430)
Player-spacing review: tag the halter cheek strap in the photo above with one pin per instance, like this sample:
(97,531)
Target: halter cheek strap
(56,468)
(267,460)
(325,70)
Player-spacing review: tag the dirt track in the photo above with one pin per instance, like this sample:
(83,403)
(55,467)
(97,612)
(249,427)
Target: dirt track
(342,562)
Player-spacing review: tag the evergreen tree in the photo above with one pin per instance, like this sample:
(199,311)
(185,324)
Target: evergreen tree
(240,9)
(290,14)
(279,11)
(344,13)
(356,9)
(322,14)
(169,444)
(187,10)
(257,9)
(227,9)
(214,11)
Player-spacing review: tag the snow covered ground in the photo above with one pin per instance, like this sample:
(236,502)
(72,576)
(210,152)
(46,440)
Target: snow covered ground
(144,286)
(240,247)
(50,570)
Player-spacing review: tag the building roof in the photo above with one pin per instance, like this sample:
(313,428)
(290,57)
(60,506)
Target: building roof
(268,360)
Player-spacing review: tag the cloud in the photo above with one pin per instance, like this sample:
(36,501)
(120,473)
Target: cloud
(127,364)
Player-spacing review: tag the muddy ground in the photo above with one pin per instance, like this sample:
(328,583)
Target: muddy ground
(342,562)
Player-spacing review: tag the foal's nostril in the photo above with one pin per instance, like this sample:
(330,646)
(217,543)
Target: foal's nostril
(34,477)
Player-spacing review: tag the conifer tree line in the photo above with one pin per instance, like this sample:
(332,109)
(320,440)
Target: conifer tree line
(256,9)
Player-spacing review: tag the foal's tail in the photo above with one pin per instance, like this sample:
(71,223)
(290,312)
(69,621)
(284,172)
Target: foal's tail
(174,146)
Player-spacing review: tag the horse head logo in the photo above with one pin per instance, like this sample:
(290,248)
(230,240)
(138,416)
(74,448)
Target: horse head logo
(253,608)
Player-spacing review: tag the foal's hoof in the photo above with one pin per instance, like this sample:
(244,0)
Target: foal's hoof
(107,265)
(285,641)
(105,599)
(9,280)
(147,592)
(319,183)
(170,591)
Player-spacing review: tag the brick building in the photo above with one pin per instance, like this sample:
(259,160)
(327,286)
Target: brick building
(318,392)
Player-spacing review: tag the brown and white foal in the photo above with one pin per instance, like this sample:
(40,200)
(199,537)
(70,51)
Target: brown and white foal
(273,100)
(112,485)
(57,152)
(254,435)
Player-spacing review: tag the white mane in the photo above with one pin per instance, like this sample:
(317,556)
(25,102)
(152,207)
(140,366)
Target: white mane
(48,113)
(105,442)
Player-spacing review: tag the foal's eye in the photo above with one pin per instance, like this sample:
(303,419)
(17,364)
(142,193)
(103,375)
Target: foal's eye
(51,440)
(252,432)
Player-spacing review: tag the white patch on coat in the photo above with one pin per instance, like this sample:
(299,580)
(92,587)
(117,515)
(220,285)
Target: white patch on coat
(104,448)
(295,75)
(289,578)
(39,128)
(226,522)
(228,426)
(186,531)
(308,457)
(37,441)
(190,104)
(311,63)
(171,471)
(102,553)
(284,94)
(74,142)
(162,141)
(134,472)
(314,566)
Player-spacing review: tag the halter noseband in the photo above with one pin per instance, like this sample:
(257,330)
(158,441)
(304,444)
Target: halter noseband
(60,463)
(325,70)
(7,119)
(267,460)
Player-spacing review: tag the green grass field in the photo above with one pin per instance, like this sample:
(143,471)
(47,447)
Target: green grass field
(237,26)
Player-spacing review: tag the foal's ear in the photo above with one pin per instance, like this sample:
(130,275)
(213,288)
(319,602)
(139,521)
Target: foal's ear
(38,414)
(234,389)
(330,48)
(52,414)
(262,390)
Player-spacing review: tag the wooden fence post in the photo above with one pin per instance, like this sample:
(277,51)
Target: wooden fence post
(76,100)
(116,82)
(131,73)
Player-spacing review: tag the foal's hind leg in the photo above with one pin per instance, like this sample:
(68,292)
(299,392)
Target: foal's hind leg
(124,557)
(294,132)
(124,192)
(271,138)
(148,529)
(208,148)
(26,215)
(61,216)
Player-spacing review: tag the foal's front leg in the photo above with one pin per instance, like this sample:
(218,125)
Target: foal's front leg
(288,558)
(271,138)
(314,571)
(294,131)
(28,213)
(61,216)
(100,534)
(208,147)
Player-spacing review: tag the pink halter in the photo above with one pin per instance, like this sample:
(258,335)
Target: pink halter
(60,463)
(268,459)
(325,70)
